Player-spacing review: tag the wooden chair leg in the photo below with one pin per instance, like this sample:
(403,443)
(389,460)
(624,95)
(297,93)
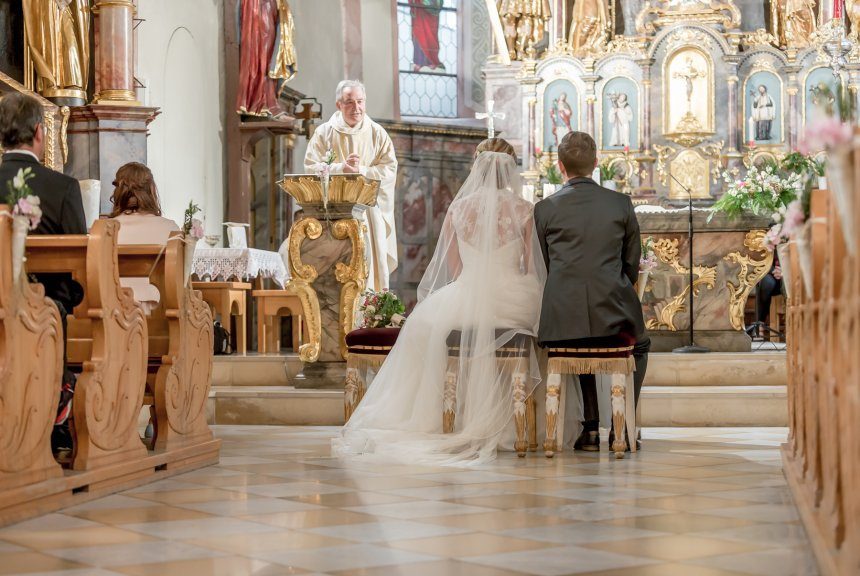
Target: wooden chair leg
(449,396)
(618,403)
(630,410)
(261,330)
(531,422)
(241,335)
(297,331)
(553,391)
(520,412)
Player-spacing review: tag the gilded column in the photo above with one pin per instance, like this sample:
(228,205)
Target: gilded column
(530,150)
(114,23)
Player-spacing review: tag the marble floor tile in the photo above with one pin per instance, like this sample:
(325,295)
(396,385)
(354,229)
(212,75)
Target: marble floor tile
(466,545)
(680,523)
(438,568)
(419,509)
(198,494)
(77,572)
(686,502)
(343,557)
(229,566)
(157,513)
(596,511)
(387,531)
(45,539)
(312,518)
(349,499)
(770,495)
(772,533)
(517,501)
(674,547)
(198,528)
(250,544)
(759,512)
(292,489)
(560,561)
(782,562)
(125,554)
(580,533)
(490,521)
(27,562)
(249,506)
(50,522)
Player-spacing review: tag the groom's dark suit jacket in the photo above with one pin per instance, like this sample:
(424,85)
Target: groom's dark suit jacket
(62,213)
(589,236)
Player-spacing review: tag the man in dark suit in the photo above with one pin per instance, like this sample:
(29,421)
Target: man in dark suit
(22,138)
(589,236)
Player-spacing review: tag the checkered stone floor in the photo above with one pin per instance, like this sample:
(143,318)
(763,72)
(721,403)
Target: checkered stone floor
(709,502)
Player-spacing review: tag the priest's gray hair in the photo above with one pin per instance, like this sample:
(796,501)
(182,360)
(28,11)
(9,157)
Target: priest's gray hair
(344,84)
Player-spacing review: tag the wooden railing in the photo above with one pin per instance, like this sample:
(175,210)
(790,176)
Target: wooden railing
(124,358)
(822,455)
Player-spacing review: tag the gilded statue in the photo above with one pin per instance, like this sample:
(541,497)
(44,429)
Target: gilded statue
(525,25)
(793,22)
(852,11)
(589,28)
(286,63)
(58,38)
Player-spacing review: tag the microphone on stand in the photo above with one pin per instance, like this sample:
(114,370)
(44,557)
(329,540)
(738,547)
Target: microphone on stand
(692,348)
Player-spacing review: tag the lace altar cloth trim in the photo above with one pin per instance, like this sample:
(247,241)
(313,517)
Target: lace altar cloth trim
(244,263)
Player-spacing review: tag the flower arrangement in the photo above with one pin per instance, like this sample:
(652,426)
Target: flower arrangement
(802,163)
(548,169)
(22,199)
(608,170)
(762,192)
(789,222)
(648,261)
(191,226)
(381,310)
(824,134)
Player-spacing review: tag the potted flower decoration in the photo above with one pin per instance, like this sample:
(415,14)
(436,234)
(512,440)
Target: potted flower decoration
(549,173)
(26,215)
(192,229)
(647,264)
(835,137)
(608,174)
(762,192)
(791,226)
(380,310)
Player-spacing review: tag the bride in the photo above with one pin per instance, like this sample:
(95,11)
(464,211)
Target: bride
(480,294)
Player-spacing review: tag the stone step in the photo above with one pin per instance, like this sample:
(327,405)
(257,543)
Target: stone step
(717,369)
(714,406)
(274,405)
(256,370)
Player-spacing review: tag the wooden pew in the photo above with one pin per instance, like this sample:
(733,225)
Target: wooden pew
(107,337)
(180,351)
(822,455)
(31,366)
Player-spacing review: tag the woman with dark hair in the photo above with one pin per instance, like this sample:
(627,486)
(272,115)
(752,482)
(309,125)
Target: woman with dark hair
(137,208)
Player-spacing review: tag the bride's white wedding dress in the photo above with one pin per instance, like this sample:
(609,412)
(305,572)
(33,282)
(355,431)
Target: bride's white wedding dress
(485,283)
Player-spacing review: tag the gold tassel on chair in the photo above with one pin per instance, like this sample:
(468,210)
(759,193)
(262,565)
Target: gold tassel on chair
(592,365)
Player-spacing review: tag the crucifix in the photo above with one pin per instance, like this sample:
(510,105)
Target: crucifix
(490,117)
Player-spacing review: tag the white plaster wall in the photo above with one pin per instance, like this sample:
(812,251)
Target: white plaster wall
(180,59)
(377,43)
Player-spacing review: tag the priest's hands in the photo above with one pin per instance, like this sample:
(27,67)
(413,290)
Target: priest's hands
(352,164)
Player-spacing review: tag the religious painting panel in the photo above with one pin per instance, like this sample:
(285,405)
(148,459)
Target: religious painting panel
(688,84)
(414,209)
(620,118)
(560,112)
(820,94)
(763,111)
(693,171)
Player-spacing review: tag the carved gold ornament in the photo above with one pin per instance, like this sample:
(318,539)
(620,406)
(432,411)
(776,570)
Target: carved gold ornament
(759,38)
(666,250)
(301,283)
(714,151)
(663,154)
(750,273)
(352,276)
(660,13)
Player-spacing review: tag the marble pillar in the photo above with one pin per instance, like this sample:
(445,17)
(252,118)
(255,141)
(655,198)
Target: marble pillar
(794,117)
(114,50)
(590,104)
(647,182)
(101,138)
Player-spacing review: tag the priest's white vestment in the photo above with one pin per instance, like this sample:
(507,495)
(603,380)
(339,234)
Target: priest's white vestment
(377,161)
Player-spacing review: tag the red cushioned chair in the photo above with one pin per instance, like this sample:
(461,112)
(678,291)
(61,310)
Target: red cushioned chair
(367,348)
(611,355)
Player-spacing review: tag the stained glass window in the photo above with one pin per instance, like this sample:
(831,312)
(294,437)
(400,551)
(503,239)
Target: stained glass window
(428,52)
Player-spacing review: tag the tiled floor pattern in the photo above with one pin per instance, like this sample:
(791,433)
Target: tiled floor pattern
(706,502)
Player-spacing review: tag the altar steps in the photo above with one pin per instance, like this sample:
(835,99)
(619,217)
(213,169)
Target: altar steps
(719,389)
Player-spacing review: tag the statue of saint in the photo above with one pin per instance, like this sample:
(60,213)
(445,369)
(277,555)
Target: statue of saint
(589,28)
(793,22)
(525,25)
(267,55)
(852,11)
(58,38)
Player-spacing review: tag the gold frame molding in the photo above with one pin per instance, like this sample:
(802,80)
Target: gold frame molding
(301,283)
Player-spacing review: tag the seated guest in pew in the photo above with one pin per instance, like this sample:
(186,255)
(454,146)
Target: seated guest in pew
(22,136)
(768,287)
(137,208)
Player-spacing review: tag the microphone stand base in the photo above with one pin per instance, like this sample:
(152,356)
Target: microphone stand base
(692,349)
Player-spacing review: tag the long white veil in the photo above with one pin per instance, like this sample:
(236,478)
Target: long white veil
(480,297)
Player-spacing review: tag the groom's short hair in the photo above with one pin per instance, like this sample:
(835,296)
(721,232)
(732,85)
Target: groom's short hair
(578,154)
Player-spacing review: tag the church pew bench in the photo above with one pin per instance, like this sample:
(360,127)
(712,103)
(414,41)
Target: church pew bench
(228,300)
(180,348)
(107,337)
(31,367)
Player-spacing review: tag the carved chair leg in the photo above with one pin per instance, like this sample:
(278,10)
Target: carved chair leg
(520,417)
(350,391)
(449,396)
(531,422)
(553,390)
(261,329)
(617,400)
(630,410)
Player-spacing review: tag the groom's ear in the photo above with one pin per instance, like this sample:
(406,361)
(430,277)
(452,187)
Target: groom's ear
(562,170)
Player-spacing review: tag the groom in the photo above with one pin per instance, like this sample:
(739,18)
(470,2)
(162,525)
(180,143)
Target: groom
(589,237)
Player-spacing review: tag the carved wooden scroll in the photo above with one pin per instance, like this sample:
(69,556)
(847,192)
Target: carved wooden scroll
(183,380)
(31,366)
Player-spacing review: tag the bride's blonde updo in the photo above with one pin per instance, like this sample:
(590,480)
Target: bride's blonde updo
(496,145)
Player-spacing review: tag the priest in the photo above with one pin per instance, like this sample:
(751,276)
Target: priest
(354,144)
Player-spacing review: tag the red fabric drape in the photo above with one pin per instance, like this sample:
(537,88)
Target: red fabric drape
(425,33)
(256,93)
